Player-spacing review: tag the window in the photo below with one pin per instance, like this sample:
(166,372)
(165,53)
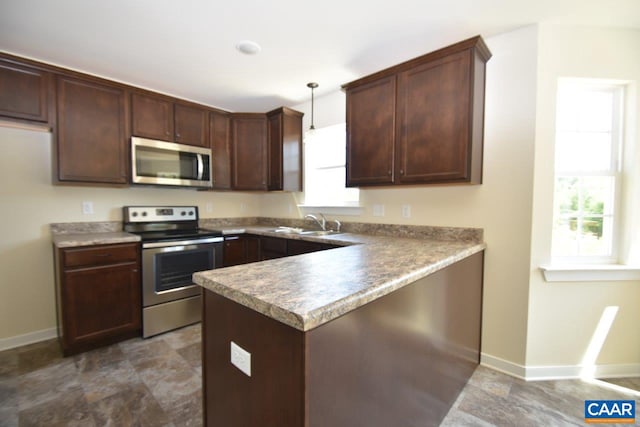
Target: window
(325,175)
(587,172)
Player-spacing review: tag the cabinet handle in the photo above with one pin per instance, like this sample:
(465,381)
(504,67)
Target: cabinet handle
(102,255)
(401,172)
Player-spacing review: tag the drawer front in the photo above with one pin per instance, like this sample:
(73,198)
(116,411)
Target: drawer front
(100,255)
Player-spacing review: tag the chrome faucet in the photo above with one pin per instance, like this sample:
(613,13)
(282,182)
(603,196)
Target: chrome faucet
(338,225)
(322,223)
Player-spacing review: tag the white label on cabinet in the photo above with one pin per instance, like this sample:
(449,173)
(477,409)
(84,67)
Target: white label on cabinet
(240,358)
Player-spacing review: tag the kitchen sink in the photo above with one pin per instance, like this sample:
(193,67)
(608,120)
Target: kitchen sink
(304,232)
(319,232)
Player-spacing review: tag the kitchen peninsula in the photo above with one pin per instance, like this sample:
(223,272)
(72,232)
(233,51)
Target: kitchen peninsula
(382,331)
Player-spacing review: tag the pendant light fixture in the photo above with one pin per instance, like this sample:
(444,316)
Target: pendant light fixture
(312,86)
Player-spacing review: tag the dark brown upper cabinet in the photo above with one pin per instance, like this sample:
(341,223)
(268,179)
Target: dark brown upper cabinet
(421,121)
(284,149)
(24,92)
(220,137)
(371,132)
(159,117)
(249,151)
(91,132)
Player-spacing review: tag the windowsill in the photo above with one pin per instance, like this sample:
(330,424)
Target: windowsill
(332,209)
(590,273)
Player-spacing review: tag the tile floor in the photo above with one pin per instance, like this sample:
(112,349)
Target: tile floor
(157,382)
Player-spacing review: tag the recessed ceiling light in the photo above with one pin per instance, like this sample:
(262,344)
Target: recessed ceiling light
(248,47)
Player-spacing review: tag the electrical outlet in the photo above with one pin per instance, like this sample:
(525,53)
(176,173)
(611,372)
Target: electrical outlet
(406,211)
(87,208)
(243,207)
(240,358)
(378,210)
(208,207)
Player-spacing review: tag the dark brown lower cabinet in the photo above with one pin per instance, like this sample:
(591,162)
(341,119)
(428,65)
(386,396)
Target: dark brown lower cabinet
(298,247)
(98,295)
(400,360)
(240,249)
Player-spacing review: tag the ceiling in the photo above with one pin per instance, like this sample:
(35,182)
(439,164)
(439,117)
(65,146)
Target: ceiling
(186,48)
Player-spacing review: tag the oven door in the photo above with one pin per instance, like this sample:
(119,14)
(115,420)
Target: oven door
(167,268)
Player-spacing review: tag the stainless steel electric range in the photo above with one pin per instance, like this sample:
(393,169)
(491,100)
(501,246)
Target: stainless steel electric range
(173,248)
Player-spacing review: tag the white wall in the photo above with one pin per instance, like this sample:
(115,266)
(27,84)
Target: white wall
(563,316)
(29,203)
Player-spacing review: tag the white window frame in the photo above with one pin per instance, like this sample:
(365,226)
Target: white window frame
(614,170)
(319,202)
(588,268)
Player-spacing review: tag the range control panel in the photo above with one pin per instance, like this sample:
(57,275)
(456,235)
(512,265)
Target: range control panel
(160,213)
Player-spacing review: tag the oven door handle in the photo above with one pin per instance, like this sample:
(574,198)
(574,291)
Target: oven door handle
(170,243)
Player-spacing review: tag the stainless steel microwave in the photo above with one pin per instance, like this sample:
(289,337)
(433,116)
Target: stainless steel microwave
(167,163)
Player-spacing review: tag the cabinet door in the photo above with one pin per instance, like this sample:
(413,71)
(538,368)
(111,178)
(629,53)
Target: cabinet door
(91,132)
(152,117)
(234,252)
(100,303)
(434,121)
(249,152)
(191,125)
(219,131)
(371,133)
(275,151)
(24,92)
(272,247)
(253,248)
(285,149)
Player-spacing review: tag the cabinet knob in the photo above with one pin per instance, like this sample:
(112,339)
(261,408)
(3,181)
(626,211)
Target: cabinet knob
(389,172)
(167,133)
(177,135)
(401,172)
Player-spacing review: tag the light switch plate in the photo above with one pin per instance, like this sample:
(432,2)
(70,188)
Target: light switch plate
(406,211)
(378,210)
(241,358)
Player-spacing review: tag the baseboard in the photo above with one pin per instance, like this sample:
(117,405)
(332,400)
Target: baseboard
(30,338)
(504,366)
(541,373)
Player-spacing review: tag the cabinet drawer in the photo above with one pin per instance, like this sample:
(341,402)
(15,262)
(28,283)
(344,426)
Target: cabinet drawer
(100,255)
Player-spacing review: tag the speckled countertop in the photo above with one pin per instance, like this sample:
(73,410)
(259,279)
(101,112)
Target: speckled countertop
(70,240)
(306,291)
(72,234)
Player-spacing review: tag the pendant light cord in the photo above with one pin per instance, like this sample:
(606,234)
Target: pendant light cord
(312,86)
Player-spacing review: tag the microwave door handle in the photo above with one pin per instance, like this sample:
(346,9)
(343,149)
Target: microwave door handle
(200,167)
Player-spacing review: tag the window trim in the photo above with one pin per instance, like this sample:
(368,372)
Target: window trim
(590,273)
(329,206)
(618,89)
